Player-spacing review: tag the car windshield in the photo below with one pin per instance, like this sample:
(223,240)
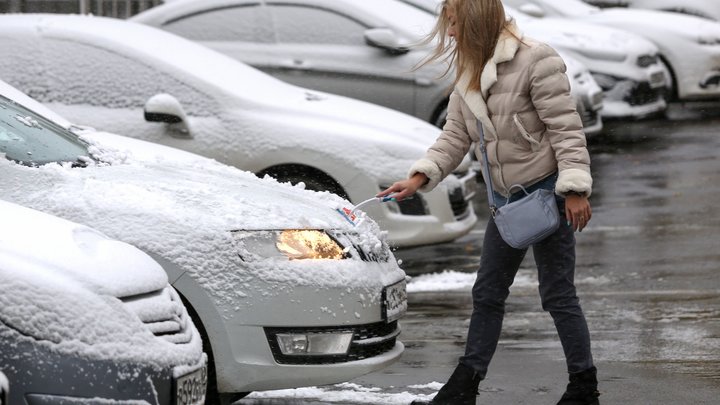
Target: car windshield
(33,140)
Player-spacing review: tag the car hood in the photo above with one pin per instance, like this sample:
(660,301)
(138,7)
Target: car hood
(193,186)
(687,26)
(185,209)
(75,253)
(593,40)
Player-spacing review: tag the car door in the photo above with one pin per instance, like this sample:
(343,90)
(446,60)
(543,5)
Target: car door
(108,90)
(324,48)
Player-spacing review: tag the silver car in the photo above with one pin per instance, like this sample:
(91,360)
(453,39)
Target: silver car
(84,316)
(358,49)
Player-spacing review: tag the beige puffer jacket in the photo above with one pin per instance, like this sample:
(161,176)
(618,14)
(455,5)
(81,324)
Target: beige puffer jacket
(531,126)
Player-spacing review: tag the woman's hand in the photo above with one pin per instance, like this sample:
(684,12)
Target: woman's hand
(577,211)
(405,188)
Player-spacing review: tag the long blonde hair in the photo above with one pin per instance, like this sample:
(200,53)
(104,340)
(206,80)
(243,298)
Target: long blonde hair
(478,24)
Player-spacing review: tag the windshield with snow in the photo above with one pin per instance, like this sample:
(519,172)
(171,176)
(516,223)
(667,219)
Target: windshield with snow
(30,139)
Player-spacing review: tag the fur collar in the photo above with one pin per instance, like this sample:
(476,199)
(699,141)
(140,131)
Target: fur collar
(505,51)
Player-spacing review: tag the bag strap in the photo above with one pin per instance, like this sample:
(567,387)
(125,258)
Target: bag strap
(486,171)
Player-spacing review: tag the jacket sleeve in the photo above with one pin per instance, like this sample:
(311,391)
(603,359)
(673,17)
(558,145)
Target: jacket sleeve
(448,150)
(550,94)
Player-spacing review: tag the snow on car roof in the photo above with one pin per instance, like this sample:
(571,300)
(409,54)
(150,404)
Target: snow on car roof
(154,46)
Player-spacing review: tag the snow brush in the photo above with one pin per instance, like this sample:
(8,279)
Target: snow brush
(349,214)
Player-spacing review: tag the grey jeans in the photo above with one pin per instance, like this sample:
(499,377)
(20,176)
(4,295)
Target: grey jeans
(555,260)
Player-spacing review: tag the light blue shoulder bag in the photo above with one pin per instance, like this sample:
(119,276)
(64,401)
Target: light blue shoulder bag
(526,221)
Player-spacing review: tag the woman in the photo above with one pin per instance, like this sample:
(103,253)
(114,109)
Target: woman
(517,89)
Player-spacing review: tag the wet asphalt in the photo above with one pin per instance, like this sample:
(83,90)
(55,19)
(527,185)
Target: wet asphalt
(648,276)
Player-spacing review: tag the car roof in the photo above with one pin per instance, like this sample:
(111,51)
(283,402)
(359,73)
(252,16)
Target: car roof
(381,13)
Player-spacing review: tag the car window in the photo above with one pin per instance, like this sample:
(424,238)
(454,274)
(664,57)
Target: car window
(309,25)
(247,23)
(29,138)
(81,74)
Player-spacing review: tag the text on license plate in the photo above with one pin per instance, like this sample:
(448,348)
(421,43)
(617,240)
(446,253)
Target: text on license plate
(190,389)
(395,300)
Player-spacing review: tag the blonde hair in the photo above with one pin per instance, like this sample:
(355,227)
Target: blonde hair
(478,24)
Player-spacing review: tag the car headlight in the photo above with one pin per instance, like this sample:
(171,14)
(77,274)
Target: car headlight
(290,244)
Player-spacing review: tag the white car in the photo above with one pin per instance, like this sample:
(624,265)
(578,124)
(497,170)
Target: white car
(359,49)
(624,65)
(133,79)
(689,46)
(701,8)
(84,316)
(286,290)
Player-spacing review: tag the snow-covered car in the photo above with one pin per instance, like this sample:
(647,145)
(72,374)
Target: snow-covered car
(689,46)
(358,49)
(701,8)
(145,83)
(84,316)
(624,65)
(285,289)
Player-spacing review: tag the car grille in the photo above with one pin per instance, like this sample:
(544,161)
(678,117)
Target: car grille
(163,313)
(413,206)
(642,94)
(368,341)
(647,60)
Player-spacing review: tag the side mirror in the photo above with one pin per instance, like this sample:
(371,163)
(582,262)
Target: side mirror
(166,108)
(386,39)
(532,10)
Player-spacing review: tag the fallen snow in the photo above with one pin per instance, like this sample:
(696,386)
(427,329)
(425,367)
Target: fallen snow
(353,393)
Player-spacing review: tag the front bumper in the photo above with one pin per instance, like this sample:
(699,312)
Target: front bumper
(39,375)
(442,215)
(254,359)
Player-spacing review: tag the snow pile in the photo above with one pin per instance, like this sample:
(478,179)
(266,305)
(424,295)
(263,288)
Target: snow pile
(350,393)
(450,280)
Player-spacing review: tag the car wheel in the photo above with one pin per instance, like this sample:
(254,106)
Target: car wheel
(314,179)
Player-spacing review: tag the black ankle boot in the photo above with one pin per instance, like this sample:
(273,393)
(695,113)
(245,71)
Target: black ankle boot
(461,388)
(582,389)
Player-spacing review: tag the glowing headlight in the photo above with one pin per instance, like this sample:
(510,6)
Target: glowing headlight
(292,244)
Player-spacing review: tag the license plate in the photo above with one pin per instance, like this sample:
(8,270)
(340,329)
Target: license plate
(190,389)
(657,79)
(395,300)
(470,188)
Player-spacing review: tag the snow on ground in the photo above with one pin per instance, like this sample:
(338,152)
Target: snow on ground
(354,393)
